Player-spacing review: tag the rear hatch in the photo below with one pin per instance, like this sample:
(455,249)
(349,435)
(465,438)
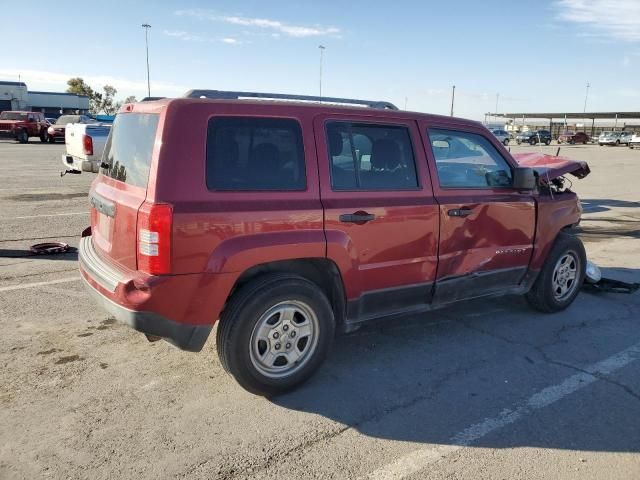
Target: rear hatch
(121,187)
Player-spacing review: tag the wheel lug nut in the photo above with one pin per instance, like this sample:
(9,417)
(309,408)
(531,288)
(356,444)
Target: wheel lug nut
(276,335)
(292,334)
(285,327)
(277,346)
(288,345)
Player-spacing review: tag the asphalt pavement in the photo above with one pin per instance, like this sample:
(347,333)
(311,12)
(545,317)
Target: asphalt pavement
(485,389)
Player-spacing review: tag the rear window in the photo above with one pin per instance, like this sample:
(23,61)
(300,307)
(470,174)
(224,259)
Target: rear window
(255,154)
(129,147)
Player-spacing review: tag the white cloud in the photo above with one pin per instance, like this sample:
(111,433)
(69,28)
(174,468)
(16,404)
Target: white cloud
(617,19)
(189,37)
(37,80)
(290,30)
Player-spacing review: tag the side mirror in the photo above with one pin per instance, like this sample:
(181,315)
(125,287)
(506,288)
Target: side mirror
(524,178)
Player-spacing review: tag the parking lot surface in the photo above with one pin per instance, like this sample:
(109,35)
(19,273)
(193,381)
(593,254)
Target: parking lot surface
(487,389)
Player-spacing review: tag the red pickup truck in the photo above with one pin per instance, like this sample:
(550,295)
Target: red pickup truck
(22,125)
(291,221)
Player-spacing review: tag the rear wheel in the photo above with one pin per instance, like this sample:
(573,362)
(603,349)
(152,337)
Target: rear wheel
(505,142)
(561,276)
(617,143)
(52,139)
(274,333)
(532,142)
(547,141)
(44,136)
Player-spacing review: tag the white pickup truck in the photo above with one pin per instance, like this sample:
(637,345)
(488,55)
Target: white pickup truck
(85,143)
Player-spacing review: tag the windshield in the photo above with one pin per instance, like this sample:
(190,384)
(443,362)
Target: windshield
(13,116)
(64,119)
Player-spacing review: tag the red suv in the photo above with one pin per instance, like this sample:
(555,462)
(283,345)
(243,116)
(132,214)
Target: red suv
(573,138)
(22,125)
(291,221)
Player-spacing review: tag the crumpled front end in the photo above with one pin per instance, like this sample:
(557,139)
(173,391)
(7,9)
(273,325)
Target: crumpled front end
(550,167)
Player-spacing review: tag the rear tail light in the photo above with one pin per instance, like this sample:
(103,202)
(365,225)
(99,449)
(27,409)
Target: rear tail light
(154,238)
(87,145)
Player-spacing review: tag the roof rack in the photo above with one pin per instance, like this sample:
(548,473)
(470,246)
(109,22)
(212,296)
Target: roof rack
(225,95)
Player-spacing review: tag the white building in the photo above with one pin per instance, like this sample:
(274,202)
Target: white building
(16,96)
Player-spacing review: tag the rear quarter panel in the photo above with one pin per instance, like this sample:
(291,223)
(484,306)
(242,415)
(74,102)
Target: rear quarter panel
(230,231)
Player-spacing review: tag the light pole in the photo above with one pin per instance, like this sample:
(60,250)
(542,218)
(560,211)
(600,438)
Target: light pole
(146,27)
(453,97)
(322,49)
(586,95)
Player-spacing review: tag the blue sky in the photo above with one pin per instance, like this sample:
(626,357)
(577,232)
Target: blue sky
(537,55)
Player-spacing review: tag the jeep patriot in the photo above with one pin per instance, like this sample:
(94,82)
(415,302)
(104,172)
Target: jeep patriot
(291,221)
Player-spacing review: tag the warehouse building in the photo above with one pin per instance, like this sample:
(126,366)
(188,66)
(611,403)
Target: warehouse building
(16,96)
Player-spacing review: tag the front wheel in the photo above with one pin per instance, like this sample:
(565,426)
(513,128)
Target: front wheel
(274,333)
(533,143)
(505,142)
(44,136)
(23,136)
(561,277)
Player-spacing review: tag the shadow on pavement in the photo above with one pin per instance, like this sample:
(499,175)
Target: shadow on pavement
(427,378)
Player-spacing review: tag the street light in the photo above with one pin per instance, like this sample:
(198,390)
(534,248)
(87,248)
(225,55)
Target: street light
(146,27)
(322,49)
(586,95)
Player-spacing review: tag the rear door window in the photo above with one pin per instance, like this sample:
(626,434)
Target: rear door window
(370,157)
(129,147)
(253,154)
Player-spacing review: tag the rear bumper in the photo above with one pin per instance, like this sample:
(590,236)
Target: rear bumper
(80,165)
(179,308)
(186,337)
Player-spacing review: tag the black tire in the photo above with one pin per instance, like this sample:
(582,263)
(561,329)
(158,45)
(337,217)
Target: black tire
(241,316)
(541,296)
(505,142)
(518,142)
(44,136)
(23,136)
(617,143)
(547,141)
(533,142)
(52,139)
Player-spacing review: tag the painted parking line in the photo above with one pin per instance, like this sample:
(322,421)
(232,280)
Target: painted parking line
(38,284)
(423,457)
(67,214)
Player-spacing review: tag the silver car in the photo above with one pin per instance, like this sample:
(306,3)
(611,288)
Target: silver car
(614,138)
(501,135)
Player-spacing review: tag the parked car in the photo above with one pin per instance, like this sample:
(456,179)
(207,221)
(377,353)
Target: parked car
(533,138)
(84,144)
(614,138)
(501,135)
(635,141)
(56,131)
(290,222)
(573,138)
(23,125)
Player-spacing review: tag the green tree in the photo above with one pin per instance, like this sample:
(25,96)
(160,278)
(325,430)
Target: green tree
(78,86)
(109,105)
(130,99)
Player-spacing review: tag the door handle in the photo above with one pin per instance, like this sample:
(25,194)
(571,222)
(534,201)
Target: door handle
(358,217)
(460,212)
